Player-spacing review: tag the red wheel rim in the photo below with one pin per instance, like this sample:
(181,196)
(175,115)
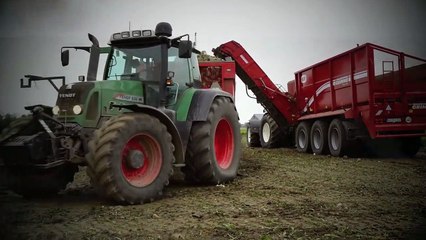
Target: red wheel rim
(152,160)
(224,143)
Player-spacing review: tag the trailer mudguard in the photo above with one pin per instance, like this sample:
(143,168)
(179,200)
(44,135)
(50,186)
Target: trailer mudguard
(165,118)
(355,130)
(201,102)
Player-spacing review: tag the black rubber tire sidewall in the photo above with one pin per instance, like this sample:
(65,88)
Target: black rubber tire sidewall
(263,143)
(341,149)
(228,112)
(201,165)
(276,136)
(303,128)
(107,170)
(321,127)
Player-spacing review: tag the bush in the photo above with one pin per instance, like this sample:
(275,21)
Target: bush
(5,120)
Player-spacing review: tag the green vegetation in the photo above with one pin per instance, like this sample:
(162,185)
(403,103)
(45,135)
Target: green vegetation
(243,131)
(5,120)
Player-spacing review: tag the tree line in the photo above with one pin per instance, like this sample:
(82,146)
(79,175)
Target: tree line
(6,119)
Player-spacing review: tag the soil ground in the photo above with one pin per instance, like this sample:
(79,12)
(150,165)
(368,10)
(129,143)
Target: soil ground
(279,194)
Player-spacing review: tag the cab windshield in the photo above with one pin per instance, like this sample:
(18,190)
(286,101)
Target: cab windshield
(135,64)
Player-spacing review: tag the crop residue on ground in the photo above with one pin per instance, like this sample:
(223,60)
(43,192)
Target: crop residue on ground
(279,194)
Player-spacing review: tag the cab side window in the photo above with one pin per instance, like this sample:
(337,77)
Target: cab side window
(180,66)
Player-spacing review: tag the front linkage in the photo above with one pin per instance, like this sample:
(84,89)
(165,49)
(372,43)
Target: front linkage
(41,153)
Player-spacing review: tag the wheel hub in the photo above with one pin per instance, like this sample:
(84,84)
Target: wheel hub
(135,159)
(266,132)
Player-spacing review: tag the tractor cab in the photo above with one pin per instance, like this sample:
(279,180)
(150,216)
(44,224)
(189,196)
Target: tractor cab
(144,67)
(165,67)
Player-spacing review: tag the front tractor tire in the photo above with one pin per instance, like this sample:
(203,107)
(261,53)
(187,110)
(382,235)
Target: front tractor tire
(131,158)
(214,147)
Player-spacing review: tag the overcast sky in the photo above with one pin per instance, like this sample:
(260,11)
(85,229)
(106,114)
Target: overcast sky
(282,36)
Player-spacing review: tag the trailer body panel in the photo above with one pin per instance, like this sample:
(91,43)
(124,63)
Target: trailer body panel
(386,89)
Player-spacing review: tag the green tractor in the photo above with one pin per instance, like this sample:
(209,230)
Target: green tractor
(148,117)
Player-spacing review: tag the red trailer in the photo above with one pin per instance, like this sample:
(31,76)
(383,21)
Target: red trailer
(218,74)
(367,92)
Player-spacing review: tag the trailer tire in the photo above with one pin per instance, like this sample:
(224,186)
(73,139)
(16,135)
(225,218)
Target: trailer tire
(337,141)
(214,147)
(270,134)
(410,146)
(303,142)
(253,139)
(319,137)
(132,158)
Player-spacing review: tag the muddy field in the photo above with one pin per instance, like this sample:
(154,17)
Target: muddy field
(279,194)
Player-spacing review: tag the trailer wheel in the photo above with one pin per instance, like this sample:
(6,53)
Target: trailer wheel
(132,158)
(319,137)
(214,147)
(270,134)
(337,142)
(302,137)
(410,146)
(253,139)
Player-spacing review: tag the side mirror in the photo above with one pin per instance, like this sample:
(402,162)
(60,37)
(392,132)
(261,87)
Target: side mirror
(185,49)
(65,58)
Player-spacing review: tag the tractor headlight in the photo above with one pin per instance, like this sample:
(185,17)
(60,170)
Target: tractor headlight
(55,110)
(77,109)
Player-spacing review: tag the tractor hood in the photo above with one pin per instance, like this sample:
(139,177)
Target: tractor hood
(86,102)
(72,95)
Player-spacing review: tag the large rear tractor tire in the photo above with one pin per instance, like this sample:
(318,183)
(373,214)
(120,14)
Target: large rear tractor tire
(253,139)
(214,147)
(337,141)
(303,142)
(319,137)
(131,160)
(270,134)
(30,182)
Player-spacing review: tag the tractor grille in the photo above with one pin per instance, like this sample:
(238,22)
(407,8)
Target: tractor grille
(71,95)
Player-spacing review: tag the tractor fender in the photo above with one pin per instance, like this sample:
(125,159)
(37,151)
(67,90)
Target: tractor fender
(201,102)
(165,119)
